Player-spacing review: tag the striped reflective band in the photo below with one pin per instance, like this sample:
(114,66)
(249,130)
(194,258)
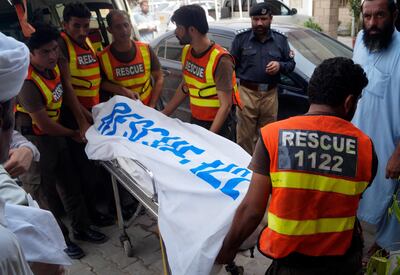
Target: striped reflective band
(85,83)
(205,102)
(317,182)
(309,227)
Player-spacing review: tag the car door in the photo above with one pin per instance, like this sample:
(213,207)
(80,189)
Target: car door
(169,52)
(292,95)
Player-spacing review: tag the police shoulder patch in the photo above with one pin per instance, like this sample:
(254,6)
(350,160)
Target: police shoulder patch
(242,31)
(279,32)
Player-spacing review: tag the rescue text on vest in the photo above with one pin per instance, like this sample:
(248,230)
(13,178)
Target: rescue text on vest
(129,70)
(194,69)
(57,92)
(86,59)
(316,151)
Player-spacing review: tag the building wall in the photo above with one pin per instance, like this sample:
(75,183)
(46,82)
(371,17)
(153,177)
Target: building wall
(327,13)
(345,17)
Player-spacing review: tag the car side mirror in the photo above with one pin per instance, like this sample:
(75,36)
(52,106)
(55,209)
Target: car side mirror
(225,12)
(293,11)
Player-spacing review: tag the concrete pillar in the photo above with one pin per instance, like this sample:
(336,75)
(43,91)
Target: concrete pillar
(326,14)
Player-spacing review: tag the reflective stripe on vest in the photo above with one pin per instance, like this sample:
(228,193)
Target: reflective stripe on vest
(52,92)
(135,75)
(198,74)
(319,167)
(85,71)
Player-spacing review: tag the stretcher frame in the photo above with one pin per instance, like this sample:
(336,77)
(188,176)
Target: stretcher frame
(149,203)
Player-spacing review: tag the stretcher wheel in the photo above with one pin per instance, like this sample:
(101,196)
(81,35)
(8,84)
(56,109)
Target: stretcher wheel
(128,248)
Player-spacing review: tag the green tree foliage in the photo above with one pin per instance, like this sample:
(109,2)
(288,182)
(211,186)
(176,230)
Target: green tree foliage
(312,25)
(355,9)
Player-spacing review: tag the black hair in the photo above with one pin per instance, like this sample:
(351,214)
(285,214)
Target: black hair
(43,34)
(335,79)
(114,12)
(391,4)
(191,16)
(76,9)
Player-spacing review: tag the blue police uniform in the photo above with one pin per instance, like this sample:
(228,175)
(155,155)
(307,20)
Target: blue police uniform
(252,55)
(257,88)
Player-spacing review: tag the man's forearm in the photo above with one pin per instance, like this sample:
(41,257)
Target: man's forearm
(156,92)
(75,106)
(225,99)
(55,129)
(112,88)
(220,118)
(287,66)
(243,225)
(18,141)
(176,100)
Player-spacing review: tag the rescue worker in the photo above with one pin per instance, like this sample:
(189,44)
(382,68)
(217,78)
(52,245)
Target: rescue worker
(315,167)
(38,113)
(128,65)
(80,73)
(261,55)
(208,73)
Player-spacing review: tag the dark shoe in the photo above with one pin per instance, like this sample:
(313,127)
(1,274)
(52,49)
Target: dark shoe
(90,235)
(73,251)
(102,220)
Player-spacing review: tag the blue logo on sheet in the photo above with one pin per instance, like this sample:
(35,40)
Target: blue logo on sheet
(139,129)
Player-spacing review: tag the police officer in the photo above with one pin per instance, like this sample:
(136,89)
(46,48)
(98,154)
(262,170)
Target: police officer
(315,167)
(261,54)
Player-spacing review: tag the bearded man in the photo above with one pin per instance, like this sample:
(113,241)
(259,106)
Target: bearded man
(208,73)
(377,50)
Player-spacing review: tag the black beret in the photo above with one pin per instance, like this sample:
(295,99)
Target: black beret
(260,9)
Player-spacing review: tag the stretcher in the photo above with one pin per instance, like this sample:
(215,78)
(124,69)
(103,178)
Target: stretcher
(139,181)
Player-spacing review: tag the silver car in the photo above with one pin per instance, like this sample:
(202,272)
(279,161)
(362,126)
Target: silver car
(310,48)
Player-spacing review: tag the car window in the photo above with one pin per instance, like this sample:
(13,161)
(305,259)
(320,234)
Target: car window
(284,10)
(224,41)
(277,7)
(170,49)
(316,47)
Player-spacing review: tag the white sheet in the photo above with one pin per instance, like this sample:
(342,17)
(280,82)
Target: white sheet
(201,177)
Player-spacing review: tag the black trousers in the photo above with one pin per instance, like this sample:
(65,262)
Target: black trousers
(349,264)
(95,179)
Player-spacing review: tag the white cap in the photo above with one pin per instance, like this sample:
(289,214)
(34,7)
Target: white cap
(14,63)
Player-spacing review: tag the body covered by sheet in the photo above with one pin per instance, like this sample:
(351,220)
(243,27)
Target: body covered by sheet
(201,177)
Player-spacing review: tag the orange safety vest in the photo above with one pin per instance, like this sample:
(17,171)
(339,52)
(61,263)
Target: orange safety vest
(319,167)
(52,92)
(96,40)
(135,75)
(85,71)
(198,74)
